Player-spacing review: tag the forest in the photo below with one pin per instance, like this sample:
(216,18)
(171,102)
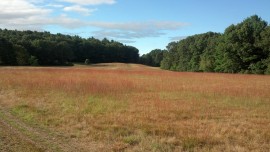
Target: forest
(46,49)
(242,48)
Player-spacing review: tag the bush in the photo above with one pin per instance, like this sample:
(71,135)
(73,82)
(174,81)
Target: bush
(87,61)
(33,61)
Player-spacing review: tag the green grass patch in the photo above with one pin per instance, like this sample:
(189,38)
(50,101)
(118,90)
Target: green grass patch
(189,144)
(68,105)
(97,105)
(162,147)
(132,140)
(25,112)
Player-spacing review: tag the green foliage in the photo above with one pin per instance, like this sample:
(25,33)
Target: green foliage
(58,49)
(243,48)
(267,64)
(195,53)
(33,61)
(239,50)
(7,53)
(153,58)
(22,56)
(132,140)
(168,56)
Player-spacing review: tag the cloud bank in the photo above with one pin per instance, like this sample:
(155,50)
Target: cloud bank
(79,9)
(37,14)
(177,38)
(135,30)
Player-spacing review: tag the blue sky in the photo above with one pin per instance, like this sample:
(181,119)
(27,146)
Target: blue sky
(145,24)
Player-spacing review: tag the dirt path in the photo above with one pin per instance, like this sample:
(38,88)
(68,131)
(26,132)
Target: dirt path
(12,140)
(15,135)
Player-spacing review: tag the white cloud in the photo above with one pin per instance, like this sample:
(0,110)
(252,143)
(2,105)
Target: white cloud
(178,38)
(80,10)
(21,14)
(90,2)
(55,5)
(126,34)
(125,41)
(38,23)
(24,15)
(134,30)
(16,12)
(20,8)
(140,26)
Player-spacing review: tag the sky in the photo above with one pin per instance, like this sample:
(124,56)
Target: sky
(144,24)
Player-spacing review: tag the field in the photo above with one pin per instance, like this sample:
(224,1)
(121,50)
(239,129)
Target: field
(129,107)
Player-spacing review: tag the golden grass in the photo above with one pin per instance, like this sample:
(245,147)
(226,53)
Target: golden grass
(136,108)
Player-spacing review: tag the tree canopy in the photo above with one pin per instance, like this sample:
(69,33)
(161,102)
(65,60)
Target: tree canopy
(44,48)
(152,58)
(242,48)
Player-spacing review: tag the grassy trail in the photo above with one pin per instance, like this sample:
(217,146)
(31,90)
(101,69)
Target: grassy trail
(17,135)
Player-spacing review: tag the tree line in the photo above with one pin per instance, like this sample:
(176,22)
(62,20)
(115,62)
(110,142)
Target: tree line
(152,58)
(242,48)
(44,48)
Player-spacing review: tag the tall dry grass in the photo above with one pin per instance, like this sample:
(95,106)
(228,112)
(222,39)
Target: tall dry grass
(137,108)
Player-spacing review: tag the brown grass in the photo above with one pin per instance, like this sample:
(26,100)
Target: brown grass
(129,107)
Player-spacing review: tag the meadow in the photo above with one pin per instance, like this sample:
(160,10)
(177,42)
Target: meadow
(130,107)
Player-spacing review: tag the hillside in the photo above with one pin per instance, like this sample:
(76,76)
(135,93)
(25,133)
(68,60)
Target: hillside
(131,107)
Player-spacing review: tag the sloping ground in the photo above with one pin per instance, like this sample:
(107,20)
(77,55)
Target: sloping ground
(130,107)
(116,66)
(12,140)
(103,66)
(18,136)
